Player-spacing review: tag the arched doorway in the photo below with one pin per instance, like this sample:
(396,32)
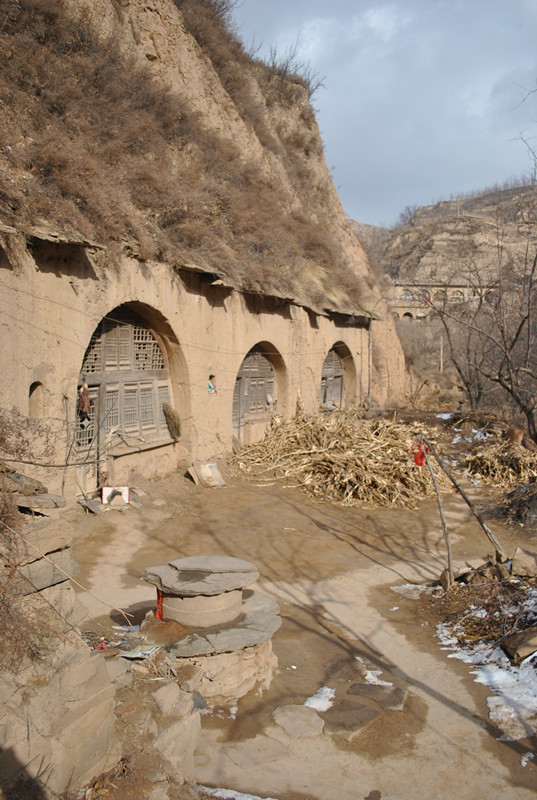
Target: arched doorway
(123,384)
(332,391)
(257,389)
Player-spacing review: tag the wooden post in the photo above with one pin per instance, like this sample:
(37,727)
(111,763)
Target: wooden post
(451,577)
(500,553)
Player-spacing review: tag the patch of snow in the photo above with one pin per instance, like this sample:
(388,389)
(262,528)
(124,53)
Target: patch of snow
(372,675)
(291,667)
(514,705)
(394,608)
(412,590)
(456,439)
(233,710)
(322,700)
(444,415)
(480,433)
(526,758)
(129,628)
(472,480)
(231,794)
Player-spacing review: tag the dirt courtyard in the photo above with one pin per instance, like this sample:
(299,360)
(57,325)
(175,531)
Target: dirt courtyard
(337,574)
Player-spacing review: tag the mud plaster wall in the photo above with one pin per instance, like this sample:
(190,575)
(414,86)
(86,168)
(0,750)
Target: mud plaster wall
(53,298)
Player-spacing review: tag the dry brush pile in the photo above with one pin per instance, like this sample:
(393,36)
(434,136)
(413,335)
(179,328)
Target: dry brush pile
(503,464)
(345,458)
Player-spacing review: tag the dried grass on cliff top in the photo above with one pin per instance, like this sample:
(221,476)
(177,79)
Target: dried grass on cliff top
(93,145)
(503,464)
(343,457)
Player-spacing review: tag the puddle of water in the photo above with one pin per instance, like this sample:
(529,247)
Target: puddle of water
(309,657)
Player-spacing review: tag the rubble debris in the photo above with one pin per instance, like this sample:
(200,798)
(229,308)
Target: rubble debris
(90,505)
(206,473)
(524,563)
(520,504)
(520,645)
(495,604)
(139,653)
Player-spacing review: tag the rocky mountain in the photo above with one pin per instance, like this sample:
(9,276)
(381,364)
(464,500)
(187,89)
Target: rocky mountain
(448,241)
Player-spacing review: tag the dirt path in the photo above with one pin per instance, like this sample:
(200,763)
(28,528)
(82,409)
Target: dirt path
(335,572)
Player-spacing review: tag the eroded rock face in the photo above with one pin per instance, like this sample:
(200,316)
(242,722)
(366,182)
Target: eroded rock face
(448,241)
(58,718)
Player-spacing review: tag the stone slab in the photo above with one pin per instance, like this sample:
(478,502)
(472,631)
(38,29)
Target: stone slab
(349,722)
(17,482)
(389,697)
(250,630)
(214,563)
(177,742)
(520,645)
(524,563)
(253,601)
(298,721)
(41,541)
(166,696)
(42,573)
(37,502)
(202,575)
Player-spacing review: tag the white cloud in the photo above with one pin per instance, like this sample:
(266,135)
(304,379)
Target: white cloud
(423,97)
(385,22)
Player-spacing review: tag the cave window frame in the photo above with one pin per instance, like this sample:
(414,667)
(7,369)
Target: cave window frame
(126,372)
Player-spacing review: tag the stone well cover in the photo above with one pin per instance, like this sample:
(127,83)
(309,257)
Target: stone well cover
(202,575)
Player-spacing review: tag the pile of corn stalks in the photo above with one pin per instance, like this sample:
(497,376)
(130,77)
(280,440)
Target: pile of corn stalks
(344,458)
(503,464)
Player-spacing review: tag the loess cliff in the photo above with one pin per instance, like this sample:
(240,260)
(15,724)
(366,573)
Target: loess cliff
(144,126)
(471,239)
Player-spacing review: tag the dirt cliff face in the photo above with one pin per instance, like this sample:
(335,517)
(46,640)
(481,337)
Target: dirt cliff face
(453,242)
(145,126)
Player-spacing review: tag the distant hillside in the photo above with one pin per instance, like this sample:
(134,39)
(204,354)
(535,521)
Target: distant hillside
(149,129)
(447,241)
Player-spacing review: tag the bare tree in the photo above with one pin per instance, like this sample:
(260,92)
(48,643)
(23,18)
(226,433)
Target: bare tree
(492,336)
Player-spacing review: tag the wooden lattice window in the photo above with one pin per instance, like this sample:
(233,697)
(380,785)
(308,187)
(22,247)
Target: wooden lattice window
(125,370)
(332,381)
(254,395)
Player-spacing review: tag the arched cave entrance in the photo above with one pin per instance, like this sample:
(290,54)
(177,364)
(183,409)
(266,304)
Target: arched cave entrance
(123,385)
(258,391)
(338,377)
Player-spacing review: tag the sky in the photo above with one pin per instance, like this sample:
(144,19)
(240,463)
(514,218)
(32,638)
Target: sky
(422,99)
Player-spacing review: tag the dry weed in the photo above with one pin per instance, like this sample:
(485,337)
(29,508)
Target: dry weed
(503,464)
(344,458)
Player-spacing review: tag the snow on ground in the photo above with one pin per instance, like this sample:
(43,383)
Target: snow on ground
(372,675)
(231,794)
(322,700)
(513,707)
